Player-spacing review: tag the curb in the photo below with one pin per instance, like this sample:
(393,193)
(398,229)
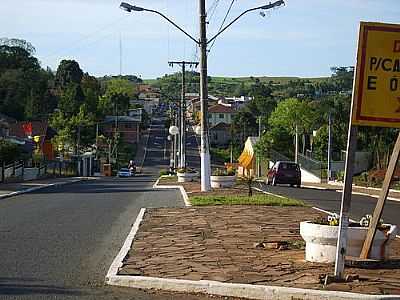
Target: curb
(181,188)
(355,193)
(16,193)
(118,260)
(247,291)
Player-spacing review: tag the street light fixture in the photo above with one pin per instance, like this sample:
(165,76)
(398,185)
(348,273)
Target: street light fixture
(202,42)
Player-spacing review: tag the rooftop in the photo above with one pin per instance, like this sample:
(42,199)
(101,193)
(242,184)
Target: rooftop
(219,108)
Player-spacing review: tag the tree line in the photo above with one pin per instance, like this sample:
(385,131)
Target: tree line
(71,100)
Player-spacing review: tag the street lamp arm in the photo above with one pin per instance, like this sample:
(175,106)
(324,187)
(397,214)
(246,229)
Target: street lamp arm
(173,23)
(269,6)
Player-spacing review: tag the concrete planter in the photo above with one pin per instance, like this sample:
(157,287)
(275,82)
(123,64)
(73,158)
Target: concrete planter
(222,181)
(187,177)
(321,242)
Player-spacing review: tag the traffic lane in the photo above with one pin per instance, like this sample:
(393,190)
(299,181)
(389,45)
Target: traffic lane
(330,200)
(62,240)
(192,151)
(156,154)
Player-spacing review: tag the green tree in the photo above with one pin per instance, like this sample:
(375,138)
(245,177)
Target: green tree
(117,95)
(68,72)
(9,152)
(298,117)
(23,84)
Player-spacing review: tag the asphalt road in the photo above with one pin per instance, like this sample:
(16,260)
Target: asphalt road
(330,200)
(58,243)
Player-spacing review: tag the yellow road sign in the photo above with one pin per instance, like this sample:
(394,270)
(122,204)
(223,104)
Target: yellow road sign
(376,99)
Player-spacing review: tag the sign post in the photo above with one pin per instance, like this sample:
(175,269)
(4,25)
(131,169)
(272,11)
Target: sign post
(375,102)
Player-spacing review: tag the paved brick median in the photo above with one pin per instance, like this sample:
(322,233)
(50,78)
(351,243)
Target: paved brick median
(223,244)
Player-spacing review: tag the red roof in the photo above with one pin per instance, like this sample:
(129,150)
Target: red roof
(221,126)
(219,108)
(39,128)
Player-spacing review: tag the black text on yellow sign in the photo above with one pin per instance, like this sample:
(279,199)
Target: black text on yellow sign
(377,82)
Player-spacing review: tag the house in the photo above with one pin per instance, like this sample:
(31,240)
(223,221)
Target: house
(149,97)
(38,133)
(235,102)
(193,103)
(220,134)
(220,113)
(128,128)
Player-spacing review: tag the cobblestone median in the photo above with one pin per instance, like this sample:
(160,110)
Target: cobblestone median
(241,244)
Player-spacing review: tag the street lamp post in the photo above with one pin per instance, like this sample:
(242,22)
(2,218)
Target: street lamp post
(202,43)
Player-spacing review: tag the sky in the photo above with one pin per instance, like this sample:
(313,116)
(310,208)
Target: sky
(303,38)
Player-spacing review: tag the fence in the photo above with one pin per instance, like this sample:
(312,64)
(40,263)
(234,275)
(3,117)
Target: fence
(61,168)
(18,172)
(276,156)
(11,171)
(313,166)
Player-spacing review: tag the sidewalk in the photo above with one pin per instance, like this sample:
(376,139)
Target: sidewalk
(255,252)
(13,189)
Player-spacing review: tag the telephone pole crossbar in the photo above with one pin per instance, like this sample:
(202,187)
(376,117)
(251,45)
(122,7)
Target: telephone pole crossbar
(182,125)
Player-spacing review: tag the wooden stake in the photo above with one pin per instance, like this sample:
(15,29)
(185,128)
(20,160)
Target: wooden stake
(381,201)
(346,202)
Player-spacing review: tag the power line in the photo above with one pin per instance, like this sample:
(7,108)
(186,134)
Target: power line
(223,22)
(211,11)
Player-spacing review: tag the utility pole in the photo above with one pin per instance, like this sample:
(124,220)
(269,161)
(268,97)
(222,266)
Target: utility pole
(329,175)
(204,147)
(182,149)
(202,43)
(259,138)
(296,154)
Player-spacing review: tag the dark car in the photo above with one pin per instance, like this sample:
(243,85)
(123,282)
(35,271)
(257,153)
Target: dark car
(284,172)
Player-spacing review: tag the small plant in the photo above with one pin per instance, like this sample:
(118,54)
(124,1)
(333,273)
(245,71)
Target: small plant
(248,181)
(366,221)
(186,170)
(164,172)
(224,172)
(340,176)
(331,220)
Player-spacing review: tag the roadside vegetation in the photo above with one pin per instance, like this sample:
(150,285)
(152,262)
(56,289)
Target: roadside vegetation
(259,199)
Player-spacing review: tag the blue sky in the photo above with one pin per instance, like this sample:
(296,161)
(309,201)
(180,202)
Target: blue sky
(304,38)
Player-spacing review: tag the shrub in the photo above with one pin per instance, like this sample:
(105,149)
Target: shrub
(164,172)
(224,172)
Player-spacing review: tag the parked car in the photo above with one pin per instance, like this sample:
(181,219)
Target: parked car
(284,172)
(124,172)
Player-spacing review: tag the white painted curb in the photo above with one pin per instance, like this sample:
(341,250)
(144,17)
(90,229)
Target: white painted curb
(369,195)
(356,193)
(179,187)
(36,188)
(118,260)
(247,291)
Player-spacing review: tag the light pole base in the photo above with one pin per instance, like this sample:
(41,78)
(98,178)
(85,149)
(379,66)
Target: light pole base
(205,172)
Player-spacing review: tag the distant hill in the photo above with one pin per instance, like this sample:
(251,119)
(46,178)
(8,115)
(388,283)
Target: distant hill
(251,79)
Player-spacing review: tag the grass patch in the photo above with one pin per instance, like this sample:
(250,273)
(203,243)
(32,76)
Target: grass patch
(267,200)
(168,179)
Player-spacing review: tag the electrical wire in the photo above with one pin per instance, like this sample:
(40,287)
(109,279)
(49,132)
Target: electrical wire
(211,11)
(223,23)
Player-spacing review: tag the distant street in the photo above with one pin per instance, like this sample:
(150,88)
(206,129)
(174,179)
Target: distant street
(58,243)
(330,200)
